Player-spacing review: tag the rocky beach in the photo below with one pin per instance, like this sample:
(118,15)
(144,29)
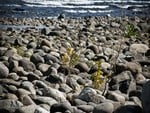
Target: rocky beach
(50,65)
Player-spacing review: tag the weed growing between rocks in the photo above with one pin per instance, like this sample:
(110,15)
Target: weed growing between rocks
(70,58)
(130,31)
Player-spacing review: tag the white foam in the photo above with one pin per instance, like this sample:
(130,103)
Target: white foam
(88,11)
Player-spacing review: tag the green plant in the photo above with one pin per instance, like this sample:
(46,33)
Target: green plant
(97,76)
(70,58)
(130,31)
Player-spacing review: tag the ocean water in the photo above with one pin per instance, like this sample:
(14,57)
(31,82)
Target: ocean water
(73,8)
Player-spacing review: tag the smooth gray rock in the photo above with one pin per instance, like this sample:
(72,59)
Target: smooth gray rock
(90,95)
(61,107)
(139,48)
(49,57)
(9,105)
(29,86)
(104,108)
(27,109)
(32,76)
(45,100)
(26,100)
(36,58)
(94,48)
(40,110)
(27,65)
(86,108)
(65,88)
(43,67)
(4,71)
(116,96)
(83,67)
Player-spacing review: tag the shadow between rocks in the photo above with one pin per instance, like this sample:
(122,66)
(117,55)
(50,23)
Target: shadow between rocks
(129,109)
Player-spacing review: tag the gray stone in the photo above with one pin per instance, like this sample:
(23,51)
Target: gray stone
(29,86)
(3,71)
(26,100)
(139,48)
(40,84)
(145,97)
(61,107)
(22,92)
(45,31)
(90,95)
(94,48)
(83,67)
(104,108)
(40,110)
(13,76)
(116,96)
(27,65)
(56,94)
(53,77)
(123,82)
(9,105)
(11,96)
(65,88)
(43,67)
(72,83)
(27,109)
(32,45)
(45,100)
(32,76)
(49,57)
(79,102)
(36,58)
(86,108)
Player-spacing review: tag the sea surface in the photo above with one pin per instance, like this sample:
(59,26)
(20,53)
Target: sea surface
(73,8)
